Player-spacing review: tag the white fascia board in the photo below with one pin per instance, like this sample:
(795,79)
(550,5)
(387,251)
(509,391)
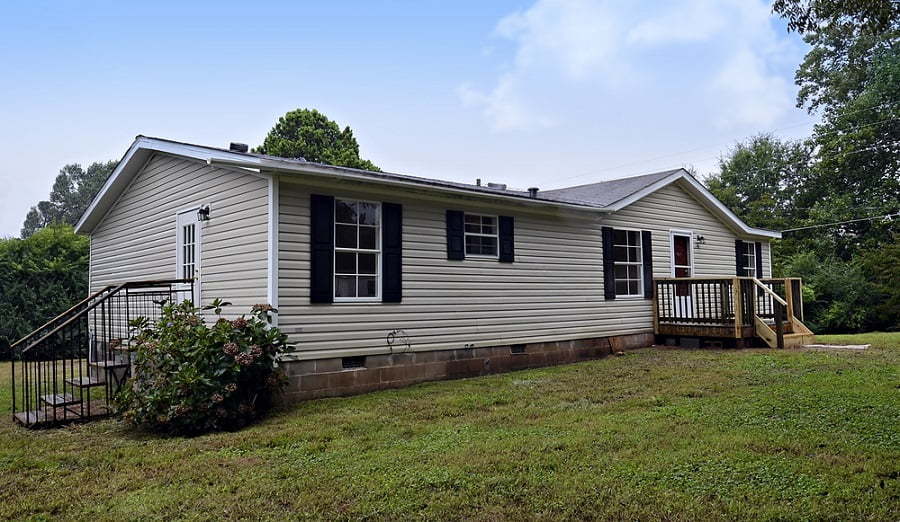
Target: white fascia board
(705,194)
(274,214)
(315,170)
(110,181)
(142,143)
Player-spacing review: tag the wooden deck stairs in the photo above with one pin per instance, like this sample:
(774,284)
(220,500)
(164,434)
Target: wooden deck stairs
(741,309)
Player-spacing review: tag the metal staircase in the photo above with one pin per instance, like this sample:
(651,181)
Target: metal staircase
(70,368)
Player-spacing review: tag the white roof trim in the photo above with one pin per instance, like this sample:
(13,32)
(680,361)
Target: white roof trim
(122,174)
(143,147)
(698,189)
(340,173)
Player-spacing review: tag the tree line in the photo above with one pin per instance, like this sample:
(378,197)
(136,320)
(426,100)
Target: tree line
(847,172)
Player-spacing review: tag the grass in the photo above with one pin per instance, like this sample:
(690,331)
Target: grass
(657,433)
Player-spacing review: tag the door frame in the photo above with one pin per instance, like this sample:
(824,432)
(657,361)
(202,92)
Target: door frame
(198,250)
(684,233)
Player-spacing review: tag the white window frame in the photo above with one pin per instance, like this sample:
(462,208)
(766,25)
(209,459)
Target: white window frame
(750,256)
(639,263)
(378,253)
(495,235)
(690,235)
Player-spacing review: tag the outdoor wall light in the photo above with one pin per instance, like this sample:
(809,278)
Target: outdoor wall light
(203,213)
(700,241)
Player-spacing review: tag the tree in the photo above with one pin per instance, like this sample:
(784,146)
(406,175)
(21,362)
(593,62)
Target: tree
(73,190)
(763,181)
(309,134)
(805,16)
(40,277)
(858,172)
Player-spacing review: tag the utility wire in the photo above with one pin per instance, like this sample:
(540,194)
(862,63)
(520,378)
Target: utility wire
(886,105)
(880,216)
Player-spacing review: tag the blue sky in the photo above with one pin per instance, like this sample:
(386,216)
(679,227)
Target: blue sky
(543,93)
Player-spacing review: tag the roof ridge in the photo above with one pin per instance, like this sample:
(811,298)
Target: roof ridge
(669,171)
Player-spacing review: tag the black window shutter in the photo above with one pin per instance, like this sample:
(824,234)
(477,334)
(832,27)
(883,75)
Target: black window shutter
(647,248)
(456,248)
(739,258)
(609,267)
(392,253)
(506,234)
(759,272)
(321,275)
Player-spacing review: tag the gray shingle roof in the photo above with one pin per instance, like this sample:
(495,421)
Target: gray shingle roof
(606,193)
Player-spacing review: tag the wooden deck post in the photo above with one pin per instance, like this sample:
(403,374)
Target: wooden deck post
(738,308)
(655,304)
(789,297)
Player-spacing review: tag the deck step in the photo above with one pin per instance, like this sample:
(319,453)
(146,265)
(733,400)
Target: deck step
(110,364)
(59,399)
(86,382)
(47,417)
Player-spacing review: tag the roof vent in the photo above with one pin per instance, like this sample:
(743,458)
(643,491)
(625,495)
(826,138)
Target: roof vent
(238,147)
(498,186)
(532,192)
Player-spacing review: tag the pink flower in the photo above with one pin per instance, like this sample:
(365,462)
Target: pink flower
(240,322)
(217,397)
(231,387)
(245,359)
(256,350)
(262,308)
(231,349)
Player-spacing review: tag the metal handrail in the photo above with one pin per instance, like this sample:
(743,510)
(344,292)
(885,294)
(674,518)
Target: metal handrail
(114,291)
(60,316)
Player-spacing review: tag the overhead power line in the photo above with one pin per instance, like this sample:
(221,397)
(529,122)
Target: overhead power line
(772,131)
(887,217)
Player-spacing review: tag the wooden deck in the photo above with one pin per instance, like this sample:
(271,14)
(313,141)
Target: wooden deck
(738,308)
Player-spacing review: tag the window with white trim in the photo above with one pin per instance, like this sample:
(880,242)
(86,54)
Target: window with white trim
(629,264)
(481,235)
(357,250)
(750,259)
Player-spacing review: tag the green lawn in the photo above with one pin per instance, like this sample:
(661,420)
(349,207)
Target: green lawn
(657,433)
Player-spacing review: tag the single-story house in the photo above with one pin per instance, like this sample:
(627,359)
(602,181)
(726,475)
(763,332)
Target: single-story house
(382,279)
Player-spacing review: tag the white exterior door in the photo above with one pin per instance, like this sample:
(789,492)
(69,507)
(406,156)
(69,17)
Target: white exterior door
(188,250)
(682,260)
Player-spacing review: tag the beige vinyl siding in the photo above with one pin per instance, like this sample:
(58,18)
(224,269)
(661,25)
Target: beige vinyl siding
(672,208)
(136,239)
(553,290)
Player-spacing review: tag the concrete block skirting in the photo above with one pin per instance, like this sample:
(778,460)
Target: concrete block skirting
(329,378)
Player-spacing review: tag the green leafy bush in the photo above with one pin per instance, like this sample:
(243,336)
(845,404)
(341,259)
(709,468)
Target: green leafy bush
(40,277)
(191,378)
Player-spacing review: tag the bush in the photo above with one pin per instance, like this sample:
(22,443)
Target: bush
(837,296)
(40,277)
(191,378)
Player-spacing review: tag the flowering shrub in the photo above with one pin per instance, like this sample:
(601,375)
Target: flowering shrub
(192,378)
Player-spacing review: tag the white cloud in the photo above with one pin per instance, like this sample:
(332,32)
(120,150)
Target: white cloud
(688,21)
(573,57)
(756,96)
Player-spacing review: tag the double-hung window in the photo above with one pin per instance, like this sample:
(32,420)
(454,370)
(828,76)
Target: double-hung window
(357,250)
(481,235)
(749,260)
(628,263)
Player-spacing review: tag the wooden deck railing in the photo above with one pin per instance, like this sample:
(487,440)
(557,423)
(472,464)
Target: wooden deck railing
(726,307)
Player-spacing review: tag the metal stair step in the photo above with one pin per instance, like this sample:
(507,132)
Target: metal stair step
(86,382)
(110,364)
(59,399)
